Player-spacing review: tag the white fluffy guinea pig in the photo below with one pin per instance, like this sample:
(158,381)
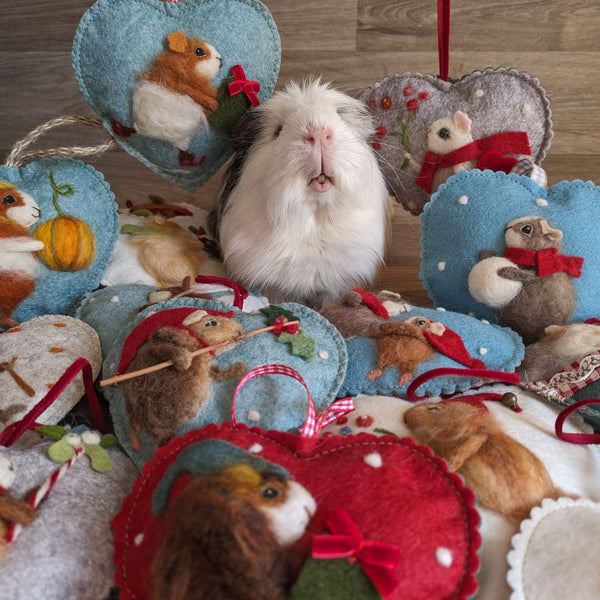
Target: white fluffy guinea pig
(302,213)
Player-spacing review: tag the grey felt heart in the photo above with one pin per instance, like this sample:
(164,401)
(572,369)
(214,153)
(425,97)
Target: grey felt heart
(495,101)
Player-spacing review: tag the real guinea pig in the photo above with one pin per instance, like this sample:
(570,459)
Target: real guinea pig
(302,213)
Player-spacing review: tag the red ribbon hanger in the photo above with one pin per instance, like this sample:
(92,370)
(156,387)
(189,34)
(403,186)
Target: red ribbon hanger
(443,12)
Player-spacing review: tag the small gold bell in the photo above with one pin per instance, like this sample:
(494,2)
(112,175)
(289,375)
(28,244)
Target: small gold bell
(509,399)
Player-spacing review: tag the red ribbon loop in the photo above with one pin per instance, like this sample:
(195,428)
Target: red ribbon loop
(378,560)
(241,84)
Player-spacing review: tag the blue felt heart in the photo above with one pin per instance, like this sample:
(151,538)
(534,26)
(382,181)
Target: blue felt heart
(497,348)
(73,199)
(269,402)
(471,212)
(179,127)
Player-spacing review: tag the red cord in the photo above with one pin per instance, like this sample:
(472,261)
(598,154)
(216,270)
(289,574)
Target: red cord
(443,11)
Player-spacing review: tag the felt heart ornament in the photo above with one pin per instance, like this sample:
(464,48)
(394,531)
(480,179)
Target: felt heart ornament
(477,237)
(383,486)
(429,129)
(169,79)
(59,223)
(389,357)
(197,390)
(549,555)
(34,356)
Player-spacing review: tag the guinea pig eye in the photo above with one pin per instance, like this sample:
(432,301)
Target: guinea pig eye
(277,131)
(444,133)
(421,322)
(212,323)
(270,493)
(527,230)
(199,52)
(433,408)
(8,199)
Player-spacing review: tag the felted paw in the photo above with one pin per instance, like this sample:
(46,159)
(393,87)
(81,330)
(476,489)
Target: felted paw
(59,233)
(169,79)
(511,215)
(34,355)
(429,129)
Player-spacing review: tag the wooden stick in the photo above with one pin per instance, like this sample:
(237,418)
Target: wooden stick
(115,379)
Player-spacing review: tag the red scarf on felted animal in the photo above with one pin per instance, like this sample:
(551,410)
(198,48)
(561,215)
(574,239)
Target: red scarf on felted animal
(507,142)
(451,345)
(545,261)
(372,302)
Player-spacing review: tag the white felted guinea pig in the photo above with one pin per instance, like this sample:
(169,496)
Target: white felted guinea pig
(302,212)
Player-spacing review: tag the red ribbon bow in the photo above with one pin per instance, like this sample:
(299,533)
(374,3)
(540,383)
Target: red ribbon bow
(377,559)
(545,261)
(241,84)
(506,142)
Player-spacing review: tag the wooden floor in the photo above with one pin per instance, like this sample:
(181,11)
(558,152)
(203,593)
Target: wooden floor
(351,43)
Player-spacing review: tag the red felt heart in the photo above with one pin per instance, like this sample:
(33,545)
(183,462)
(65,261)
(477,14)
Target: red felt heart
(496,161)
(395,490)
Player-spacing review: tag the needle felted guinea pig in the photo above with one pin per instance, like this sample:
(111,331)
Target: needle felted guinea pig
(303,209)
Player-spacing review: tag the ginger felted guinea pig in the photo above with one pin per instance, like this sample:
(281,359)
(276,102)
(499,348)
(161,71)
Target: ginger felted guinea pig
(303,209)
(505,475)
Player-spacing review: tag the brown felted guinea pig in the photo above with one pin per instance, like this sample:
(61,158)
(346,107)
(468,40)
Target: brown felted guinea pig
(505,476)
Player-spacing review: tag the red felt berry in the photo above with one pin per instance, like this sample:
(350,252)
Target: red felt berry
(412,105)
(341,421)
(371,104)
(376,145)
(386,102)
(364,421)
(380,131)
(407,91)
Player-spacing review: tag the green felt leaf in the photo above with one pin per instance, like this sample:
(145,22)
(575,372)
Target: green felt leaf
(108,441)
(53,432)
(61,451)
(272,312)
(301,344)
(231,108)
(333,579)
(100,458)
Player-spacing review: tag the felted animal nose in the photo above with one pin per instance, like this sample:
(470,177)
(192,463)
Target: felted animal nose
(321,135)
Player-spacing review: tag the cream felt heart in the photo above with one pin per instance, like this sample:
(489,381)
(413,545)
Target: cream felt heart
(59,226)
(34,355)
(429,129)
(158,73)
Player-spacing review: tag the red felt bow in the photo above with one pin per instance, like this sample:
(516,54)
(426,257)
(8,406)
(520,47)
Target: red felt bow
(377,559)
(241,84)
(507,142)
(546,261)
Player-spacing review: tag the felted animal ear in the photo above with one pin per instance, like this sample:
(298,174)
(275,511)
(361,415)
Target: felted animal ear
(486,275)
(177,41)
(462,121)
(510,115)
(156,105)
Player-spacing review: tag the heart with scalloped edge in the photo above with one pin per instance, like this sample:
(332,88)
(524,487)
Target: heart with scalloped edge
(170,79)
(395,491)
(429,129)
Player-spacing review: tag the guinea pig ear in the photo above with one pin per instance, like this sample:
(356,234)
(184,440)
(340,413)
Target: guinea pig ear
(177,42)
(357,116)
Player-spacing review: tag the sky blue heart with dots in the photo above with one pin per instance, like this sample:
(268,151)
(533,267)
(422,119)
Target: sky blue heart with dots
(116,41)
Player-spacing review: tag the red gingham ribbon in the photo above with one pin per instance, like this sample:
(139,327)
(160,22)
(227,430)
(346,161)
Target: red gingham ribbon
(314,422)
(241,84)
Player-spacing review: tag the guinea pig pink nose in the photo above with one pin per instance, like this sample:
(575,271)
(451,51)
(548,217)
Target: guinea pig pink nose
(322,135)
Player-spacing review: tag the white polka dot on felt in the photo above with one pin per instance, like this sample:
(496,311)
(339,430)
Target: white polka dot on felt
(485,321)
(526,108)
(463,200)
(541,202)
(441,309)
(253,415)
(92,300)
(443,556)
(323,354)
(255,449)
(478,93)
(482,350)
(114,299)
(374,460)
(441,266)
(138,539)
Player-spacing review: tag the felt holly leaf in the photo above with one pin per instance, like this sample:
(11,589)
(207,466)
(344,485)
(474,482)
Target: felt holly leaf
(53,432)
(65,237)
(99,457)
(61,451)
(136,65)
(495,115)
(409,490)
(272,312)
(477,207)
(301,345)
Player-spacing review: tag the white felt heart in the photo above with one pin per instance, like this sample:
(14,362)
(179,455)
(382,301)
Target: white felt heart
(34,355)
(159,75)
(421,118)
